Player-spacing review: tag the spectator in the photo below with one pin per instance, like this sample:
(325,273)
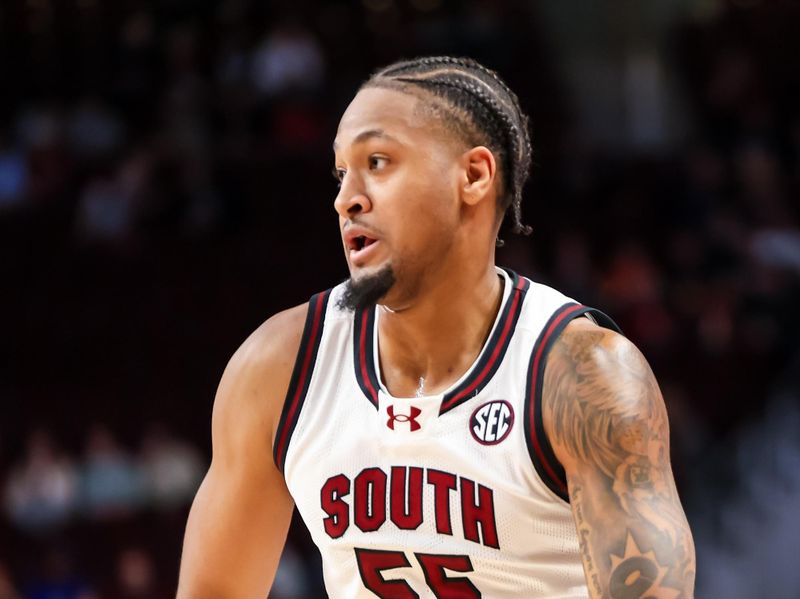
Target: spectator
(113,485)
(110,204)
(173,469)
(41,492)
(288,59)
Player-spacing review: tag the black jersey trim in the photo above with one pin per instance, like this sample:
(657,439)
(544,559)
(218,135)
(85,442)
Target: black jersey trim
(301,375)
(495,350)
(480,375)
(364,353)
(541,452)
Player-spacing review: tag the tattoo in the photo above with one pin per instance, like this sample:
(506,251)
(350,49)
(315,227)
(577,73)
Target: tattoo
(592,574)
(606,420)
(636,574)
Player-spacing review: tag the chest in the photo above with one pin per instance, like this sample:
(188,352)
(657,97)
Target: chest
(365,474)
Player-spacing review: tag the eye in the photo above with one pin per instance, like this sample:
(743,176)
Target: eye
(377,162)
(338,174)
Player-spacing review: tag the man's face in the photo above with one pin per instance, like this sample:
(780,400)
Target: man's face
(398,203)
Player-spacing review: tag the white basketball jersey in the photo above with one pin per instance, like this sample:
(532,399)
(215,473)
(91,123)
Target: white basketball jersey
(454,495)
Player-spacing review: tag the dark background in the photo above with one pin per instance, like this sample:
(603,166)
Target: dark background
(165,187)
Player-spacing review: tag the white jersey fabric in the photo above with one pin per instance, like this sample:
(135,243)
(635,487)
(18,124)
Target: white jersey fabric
(454,495)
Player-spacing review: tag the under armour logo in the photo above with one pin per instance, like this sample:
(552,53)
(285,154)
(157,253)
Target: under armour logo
(410,418)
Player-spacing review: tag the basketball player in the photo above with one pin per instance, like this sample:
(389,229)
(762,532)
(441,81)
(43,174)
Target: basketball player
(446,428)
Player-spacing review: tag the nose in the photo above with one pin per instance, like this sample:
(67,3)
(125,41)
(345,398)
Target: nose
(351,201)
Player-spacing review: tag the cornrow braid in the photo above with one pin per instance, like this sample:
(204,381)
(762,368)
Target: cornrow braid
(480,103)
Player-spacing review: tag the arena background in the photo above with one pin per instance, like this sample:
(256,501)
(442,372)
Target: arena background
(165,187)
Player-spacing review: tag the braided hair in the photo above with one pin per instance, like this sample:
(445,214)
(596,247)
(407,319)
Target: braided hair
(478,105)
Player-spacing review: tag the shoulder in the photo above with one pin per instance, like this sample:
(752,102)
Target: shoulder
(253,386)
(599,390)
(584,342)
(272,345)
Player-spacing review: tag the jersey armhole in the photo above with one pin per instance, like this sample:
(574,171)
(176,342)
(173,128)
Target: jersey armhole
(541,452)
(301,376)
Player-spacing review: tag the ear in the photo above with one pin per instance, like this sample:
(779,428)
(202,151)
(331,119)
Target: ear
(480,169)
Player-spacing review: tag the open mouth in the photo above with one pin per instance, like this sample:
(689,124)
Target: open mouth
(360,247)
(361,242)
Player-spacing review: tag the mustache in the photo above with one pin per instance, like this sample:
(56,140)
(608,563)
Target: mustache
(361,223)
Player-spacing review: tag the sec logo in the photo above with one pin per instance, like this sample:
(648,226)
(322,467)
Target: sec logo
(491,422)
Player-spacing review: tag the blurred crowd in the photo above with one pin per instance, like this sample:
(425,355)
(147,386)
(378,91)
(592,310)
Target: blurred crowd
(49,496)
(164,188)
(49,487)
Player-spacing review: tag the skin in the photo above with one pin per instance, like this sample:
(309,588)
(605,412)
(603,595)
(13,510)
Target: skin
(240,516)
(606,420)
(430,199)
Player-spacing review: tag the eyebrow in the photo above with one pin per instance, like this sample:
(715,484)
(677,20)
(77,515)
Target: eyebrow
(369,134)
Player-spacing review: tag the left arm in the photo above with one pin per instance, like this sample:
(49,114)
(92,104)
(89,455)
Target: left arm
(605,418)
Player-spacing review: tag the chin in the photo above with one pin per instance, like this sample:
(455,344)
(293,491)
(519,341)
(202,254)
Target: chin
(368,288)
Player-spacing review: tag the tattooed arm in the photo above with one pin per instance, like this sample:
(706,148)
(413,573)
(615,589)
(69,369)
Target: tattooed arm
(605,418)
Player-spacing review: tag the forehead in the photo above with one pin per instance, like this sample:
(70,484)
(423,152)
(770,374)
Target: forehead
(392,112)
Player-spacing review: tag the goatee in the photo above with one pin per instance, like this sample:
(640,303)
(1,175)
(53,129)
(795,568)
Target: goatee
(366,291)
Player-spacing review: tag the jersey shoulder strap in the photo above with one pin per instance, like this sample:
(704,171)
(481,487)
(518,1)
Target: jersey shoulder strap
(541,452)
(301,375)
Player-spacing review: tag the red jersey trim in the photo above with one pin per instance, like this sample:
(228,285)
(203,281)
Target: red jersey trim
(301,375)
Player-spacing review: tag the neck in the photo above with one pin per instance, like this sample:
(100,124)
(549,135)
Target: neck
(439,336)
